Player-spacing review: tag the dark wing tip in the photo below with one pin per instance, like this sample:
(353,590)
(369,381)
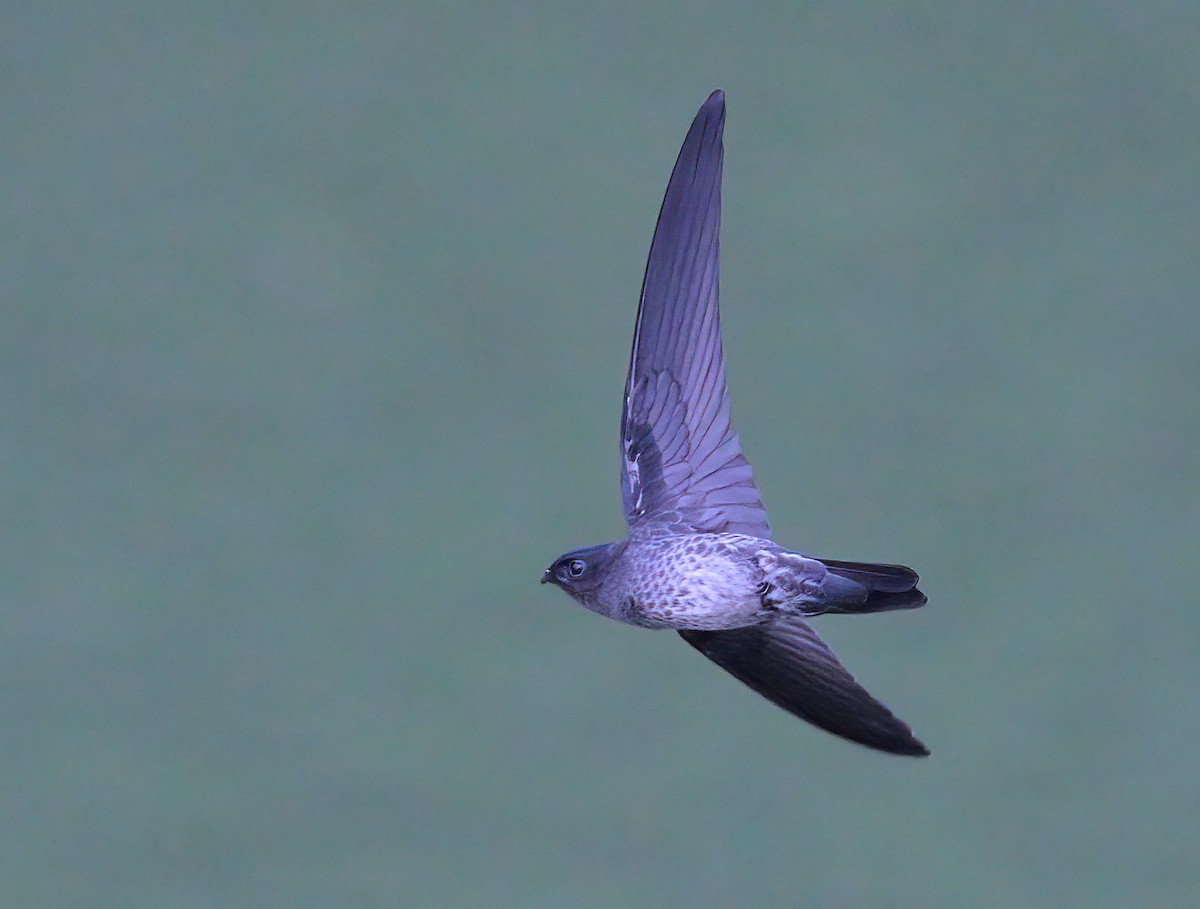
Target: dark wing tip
(899,739)
(916,749)
(713,109)
(703,138)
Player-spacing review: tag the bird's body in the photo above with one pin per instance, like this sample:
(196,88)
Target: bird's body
(699,558)
(710,581)
(683,580)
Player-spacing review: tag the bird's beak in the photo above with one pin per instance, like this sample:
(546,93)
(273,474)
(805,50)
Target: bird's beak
(546,576)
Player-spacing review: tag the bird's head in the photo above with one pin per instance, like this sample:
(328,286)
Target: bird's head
(579,573)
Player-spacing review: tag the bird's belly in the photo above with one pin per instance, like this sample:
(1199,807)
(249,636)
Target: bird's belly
(706,596)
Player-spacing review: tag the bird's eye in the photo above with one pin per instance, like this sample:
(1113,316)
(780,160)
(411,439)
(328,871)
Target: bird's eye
(576,567)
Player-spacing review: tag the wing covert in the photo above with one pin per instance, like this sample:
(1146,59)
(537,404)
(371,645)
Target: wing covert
(680,458)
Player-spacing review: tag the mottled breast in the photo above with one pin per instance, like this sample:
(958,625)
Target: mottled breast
(699,581)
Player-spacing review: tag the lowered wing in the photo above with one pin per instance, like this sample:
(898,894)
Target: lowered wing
(786,662)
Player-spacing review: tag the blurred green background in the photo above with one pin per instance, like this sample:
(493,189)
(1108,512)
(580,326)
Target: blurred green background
(315,319)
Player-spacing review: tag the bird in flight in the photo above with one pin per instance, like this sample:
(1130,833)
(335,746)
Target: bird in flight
(699,557)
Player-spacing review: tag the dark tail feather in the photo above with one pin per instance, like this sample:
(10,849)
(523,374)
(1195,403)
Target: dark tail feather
(888,586)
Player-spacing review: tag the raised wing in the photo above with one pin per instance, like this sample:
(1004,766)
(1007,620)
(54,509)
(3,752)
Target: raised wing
(680,458)
(786,662)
